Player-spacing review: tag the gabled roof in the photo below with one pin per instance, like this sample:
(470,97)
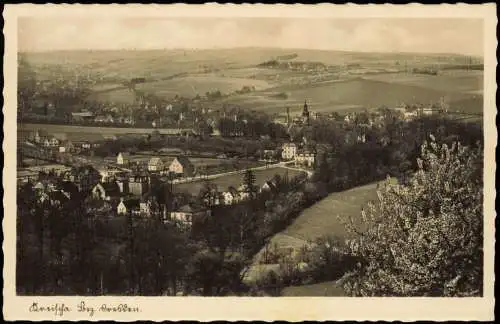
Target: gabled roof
(184,161)
(155,161)
(189,208)
(132,203)
(270,184)
(232,191)
(111,188)
(124,154)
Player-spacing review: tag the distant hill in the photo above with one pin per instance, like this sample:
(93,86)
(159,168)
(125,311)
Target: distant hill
(287,57)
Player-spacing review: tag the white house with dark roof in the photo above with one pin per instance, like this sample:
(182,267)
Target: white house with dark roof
(187,213)
(129,206)
(123,158)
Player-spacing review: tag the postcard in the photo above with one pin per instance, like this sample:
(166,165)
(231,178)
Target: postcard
(249,162)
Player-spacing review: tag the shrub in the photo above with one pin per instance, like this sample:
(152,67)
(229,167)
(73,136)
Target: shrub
(424,238)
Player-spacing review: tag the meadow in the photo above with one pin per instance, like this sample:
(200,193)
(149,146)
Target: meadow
(83,131)
(326,217)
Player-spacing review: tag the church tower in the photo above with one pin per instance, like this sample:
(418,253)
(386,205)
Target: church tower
(305,113)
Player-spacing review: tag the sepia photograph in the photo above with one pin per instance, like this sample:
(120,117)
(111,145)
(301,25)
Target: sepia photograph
(248,156)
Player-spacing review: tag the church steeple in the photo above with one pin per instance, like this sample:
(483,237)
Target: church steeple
(305,113)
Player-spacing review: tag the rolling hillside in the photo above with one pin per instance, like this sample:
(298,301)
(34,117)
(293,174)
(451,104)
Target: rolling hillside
(351,81)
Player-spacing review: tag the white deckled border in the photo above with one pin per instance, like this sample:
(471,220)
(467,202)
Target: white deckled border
(227,308)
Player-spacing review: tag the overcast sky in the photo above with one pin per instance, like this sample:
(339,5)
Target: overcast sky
(462,36)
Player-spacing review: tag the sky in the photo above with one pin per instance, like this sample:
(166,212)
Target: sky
(436,35)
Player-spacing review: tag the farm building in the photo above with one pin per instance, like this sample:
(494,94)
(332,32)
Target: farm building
(182,166)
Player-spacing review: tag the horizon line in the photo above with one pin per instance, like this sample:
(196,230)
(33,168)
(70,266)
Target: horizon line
(242,48)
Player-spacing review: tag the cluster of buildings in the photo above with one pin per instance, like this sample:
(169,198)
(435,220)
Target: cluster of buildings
(409,112)
(113,195)
(181,166)
(301,156)
(52,142)
(88,116)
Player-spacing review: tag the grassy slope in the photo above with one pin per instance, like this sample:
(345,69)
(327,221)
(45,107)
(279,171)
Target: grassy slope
(323,217)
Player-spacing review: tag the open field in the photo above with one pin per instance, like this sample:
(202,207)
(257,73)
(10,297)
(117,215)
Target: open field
(190,86)
(191,72)
(449,81)
(85,130)
(234,180)
(117,96)
(363,92)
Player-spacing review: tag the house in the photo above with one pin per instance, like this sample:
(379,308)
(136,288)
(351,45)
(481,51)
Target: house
(129,121)
(289,151)
(106,190)
(182,166)
(122,183)
(268,186)
(50,142)
(187,213)
(148,205)
(66,147)
(155,164)
(145,208)
(306,157)
(245,192)
(230,196)
(428,111)
(123,158)
(104,119)
(352,137)
(409,115)
(129,206)
(268,154)
(25,176)
(82,116)
(138,184)
(39,136)
(84,145)
(85,177)
(110,137)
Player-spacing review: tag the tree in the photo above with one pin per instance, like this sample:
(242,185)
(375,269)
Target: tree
(249,183)
(424,238)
